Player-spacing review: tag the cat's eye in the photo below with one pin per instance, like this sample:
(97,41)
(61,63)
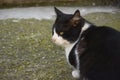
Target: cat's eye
(61,33)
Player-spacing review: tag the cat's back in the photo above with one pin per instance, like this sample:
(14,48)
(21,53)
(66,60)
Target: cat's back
(104,40)
(103,37)
(102,32)
(101,58)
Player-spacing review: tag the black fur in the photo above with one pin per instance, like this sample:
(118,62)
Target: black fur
(101,59)
(72,57)
(98,47)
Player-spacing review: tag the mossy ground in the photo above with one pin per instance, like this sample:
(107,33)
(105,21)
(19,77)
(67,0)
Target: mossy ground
(27,52)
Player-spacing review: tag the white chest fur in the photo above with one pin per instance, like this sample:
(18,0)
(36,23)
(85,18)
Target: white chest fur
(76,71)
(68,50)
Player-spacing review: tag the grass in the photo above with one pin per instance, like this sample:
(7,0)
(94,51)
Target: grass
(106,19)
(27,53)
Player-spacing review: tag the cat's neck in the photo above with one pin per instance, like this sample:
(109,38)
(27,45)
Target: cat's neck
(84,28)
(69,47)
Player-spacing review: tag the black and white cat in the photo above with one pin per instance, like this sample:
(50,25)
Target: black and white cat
(93,52)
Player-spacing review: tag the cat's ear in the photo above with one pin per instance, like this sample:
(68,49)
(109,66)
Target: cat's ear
(58,12)
(76,15)
(76,18)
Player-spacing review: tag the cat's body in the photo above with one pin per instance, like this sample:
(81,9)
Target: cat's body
(93,52)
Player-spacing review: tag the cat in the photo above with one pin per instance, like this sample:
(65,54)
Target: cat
(92,51)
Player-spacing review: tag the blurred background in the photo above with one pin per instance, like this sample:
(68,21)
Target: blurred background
(26,49)
(21,3)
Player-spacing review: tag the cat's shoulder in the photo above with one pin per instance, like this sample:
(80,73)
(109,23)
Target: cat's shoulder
(102,30)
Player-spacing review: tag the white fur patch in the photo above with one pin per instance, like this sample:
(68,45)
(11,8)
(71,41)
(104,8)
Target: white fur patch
(76,74)
(85,27)
(77,59)
(67,50)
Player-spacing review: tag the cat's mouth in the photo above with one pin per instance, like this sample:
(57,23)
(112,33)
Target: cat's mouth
(60,42)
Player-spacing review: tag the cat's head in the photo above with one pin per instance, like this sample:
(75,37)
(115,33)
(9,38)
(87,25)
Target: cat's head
(66,28)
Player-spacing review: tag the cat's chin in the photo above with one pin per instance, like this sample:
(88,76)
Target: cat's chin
(62,44)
